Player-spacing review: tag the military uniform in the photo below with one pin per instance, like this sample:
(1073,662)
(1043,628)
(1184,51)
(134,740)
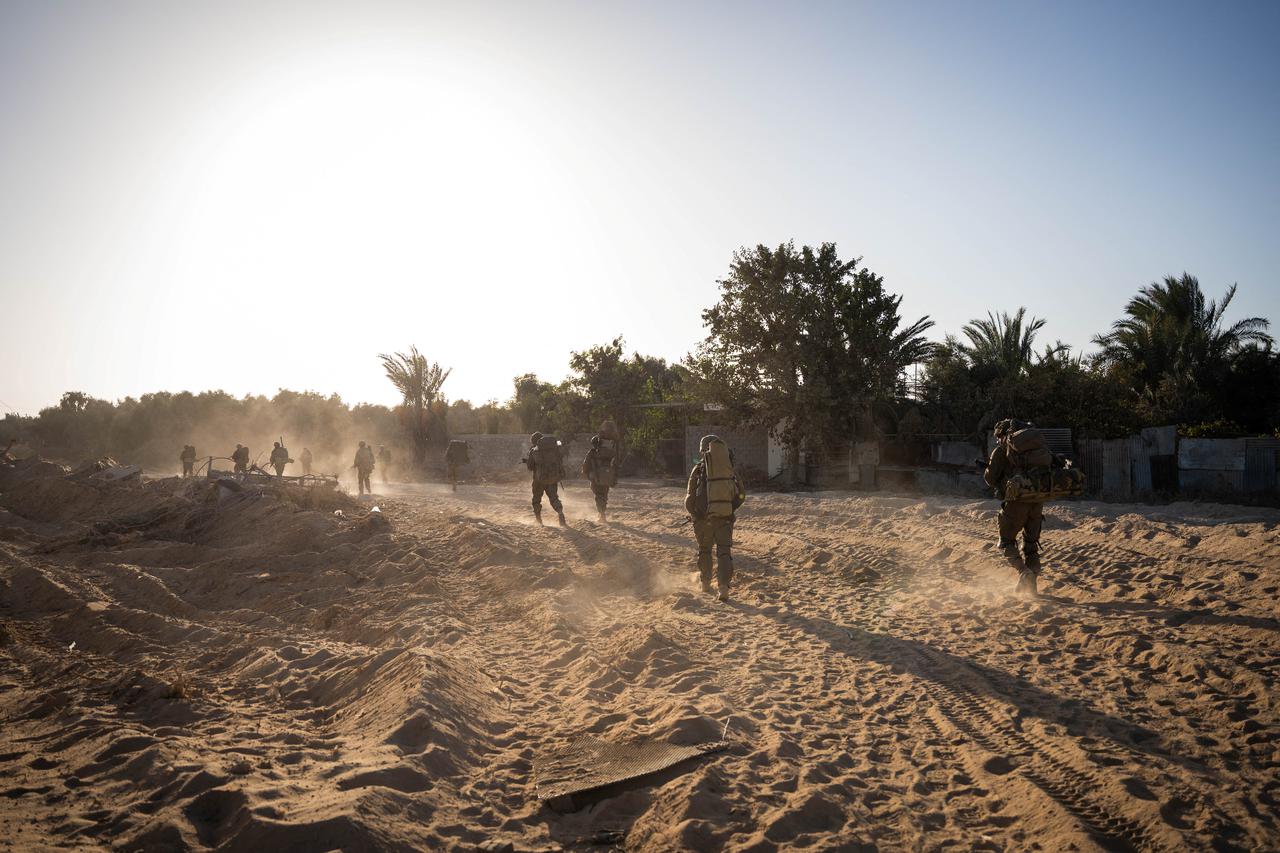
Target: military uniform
(551,490)
(1025,517)
(279,458)
(188,458)
(241,459)
(364,468)
(712,531)
(599,472)
(305,459)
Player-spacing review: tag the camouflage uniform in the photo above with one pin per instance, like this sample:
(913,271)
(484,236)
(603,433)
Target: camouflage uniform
(1025,517)
(712,531)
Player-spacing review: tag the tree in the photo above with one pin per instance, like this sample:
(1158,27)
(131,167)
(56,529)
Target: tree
(1172,338)
(615,386)
(418,382)
(856,348)
(1003,345)
(800,342)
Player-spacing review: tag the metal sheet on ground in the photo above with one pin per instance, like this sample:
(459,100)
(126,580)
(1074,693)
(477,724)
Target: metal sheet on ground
(589,763)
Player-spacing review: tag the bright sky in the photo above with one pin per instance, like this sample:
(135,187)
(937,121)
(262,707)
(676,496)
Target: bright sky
(256,195)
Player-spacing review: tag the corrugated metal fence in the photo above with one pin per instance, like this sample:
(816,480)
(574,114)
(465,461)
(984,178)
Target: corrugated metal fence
(1158,462)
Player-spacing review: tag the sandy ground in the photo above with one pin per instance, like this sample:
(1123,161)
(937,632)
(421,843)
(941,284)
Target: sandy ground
(246,673)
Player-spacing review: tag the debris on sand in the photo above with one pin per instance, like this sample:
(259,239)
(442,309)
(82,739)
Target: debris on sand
(589,764)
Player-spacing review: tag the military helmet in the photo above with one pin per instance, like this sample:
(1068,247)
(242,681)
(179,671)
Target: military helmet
(706,442)
(533,439)
(595,441)
(362,444)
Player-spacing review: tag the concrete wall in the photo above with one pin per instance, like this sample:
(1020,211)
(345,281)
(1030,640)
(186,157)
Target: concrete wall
(498,456)
(750,449)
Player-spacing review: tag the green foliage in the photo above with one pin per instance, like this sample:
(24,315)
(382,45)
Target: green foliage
(419,383)
(804,343)
(1004,345)
(1177,349)
(1221,428)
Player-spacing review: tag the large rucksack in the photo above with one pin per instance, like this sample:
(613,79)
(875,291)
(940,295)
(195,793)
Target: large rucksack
(457,453)
(604,467)
(1033,477)
(722,487)
(548,461)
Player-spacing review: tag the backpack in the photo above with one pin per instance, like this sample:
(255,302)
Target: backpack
(1034,479)
(721,483)
(1027,452)
(548,463)
(457,453)
(604,460)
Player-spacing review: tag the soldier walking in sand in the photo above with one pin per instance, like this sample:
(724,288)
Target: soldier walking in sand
(457,453)
(715,492)
(600,467)
(1020,450)
(188,458)
(384,461)
(364,468)
(279,458)
(546,460)
(241,459)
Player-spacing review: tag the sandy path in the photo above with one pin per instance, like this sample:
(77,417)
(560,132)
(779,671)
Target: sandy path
(881,686)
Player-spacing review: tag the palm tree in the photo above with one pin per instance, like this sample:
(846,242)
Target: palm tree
(1004,342)
(1171,331)
(418,382)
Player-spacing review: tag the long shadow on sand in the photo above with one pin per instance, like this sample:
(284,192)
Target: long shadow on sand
(939,667)
(1172,616)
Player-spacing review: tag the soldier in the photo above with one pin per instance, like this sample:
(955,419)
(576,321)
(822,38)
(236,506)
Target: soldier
(279,458)
(457,453)
(241,459)
(364,468)
(188,458)
(384,459)
(712,500)
(1019,449)
(600,467)
(305,459)
(545,461)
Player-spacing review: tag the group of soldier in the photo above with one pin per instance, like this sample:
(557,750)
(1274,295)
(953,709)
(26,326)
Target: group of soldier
(715,490)
(714,494)
(365,462)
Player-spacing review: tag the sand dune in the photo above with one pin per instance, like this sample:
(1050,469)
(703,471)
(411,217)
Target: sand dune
(185,668)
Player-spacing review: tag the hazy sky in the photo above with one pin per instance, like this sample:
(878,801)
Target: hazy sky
(251,196)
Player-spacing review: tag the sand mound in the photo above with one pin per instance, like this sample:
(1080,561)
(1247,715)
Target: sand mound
(185,665)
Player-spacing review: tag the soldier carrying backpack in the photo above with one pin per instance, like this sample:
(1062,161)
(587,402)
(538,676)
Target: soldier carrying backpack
(601,466)
(712,500)
(457,453)
(1024,473)
(546,460)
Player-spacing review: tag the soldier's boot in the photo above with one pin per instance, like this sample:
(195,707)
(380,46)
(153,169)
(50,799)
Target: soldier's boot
(1027,585)
(537,515)
(602,517)
(563,522)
